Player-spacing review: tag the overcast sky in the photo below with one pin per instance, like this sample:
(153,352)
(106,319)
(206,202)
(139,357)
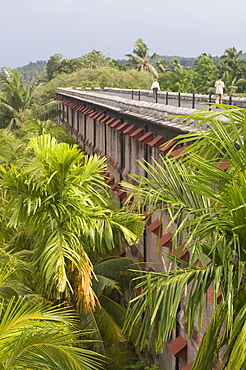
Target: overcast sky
(32,30)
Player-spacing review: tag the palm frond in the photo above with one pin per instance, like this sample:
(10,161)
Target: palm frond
(204,192)
(37,336)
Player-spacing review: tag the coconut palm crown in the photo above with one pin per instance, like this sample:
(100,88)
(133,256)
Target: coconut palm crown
(19,103)
(140,58)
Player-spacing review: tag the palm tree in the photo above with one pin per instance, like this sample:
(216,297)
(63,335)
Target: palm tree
(232,63)
(206,204)
(231,53)
(112,283)
(35,128)
(175,65)
(231,83)
(9,147)
(80,198)
(59,199)
(162,65)
(15,99)
(140,58)
(32,333)
(18,103)
(35,335)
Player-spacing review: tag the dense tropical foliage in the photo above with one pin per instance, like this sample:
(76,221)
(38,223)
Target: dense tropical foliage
(63,291)
(33,333)
(203,191)
(57,221)
(64,207)
(18,103)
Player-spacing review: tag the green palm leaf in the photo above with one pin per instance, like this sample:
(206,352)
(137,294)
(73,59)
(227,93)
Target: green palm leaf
(34,335)
(206,205)
(61,198)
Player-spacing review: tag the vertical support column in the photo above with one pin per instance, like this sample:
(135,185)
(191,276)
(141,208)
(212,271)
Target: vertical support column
(63,112)
(59,113)
(77,119)
(210,101)
(94,134)
(193,101)
(72,120)
(177,334)
(105,135)
(122,154)
(146,129)
(167,98)
(105,139)
(146,157)
(84,126)
(78,122)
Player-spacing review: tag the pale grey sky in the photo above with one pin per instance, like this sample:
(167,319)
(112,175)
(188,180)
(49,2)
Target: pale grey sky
(32,30)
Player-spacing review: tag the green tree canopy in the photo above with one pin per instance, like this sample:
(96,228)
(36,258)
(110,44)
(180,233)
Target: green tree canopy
(53,66)
(56,65)
(232,63)
(206,74)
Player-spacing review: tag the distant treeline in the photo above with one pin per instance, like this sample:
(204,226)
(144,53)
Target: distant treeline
(186,62)
(35,71)
(175,73)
